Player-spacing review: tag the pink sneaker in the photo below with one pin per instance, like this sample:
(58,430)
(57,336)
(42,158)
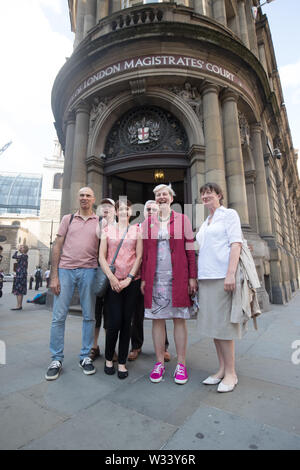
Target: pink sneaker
(157,373)
(180,374)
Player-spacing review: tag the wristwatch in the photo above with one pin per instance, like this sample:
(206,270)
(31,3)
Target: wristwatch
(131,276)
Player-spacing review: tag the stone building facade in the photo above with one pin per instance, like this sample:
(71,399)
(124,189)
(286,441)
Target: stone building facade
(36,228)
(191,90)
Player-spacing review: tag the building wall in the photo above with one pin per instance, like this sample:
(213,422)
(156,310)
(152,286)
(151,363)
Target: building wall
(212,66)
(35,231)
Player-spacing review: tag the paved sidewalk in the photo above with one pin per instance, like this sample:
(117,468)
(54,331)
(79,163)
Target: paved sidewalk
(102,412)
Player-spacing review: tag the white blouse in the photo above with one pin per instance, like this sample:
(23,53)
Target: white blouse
(214,243)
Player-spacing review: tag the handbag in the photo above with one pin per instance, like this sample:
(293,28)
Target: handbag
(101,281)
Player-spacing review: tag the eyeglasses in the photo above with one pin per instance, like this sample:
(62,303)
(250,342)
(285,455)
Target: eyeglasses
(150,209)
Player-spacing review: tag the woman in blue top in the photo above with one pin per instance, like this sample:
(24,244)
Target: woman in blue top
(220,239)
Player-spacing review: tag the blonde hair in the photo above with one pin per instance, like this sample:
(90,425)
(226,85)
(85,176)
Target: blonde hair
(161,186)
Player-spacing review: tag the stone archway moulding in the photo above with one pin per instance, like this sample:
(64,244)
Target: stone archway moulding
(154,96)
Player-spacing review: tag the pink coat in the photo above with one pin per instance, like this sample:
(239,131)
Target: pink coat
(182,257)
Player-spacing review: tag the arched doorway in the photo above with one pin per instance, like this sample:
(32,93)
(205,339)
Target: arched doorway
(146,140)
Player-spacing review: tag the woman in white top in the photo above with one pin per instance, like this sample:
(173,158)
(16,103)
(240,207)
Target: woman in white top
(219,239)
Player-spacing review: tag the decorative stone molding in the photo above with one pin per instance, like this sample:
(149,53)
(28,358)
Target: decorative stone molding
(138,87)
(244,129)
(94,164)
(191,95)
(97,109)
(82,107)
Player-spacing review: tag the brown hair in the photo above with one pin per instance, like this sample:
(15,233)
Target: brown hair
(124,201)
(212,187)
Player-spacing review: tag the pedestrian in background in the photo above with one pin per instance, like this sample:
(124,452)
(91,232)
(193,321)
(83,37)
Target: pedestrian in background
(38,278)
(47,277)
(20,282)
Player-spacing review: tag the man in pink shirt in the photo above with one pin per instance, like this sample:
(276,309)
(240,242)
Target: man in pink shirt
(74,263)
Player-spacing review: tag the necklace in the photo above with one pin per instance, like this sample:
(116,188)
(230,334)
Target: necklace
(165,220)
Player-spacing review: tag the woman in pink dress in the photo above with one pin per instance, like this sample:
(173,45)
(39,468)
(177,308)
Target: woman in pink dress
(124,284)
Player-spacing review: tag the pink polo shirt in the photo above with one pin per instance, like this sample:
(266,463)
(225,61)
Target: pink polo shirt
(80,248)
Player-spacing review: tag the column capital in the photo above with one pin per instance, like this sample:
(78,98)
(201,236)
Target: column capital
(70,118)
(94,164)
(250,176)
(256,127)
(209,87)
(229,95)
(197,151)
(82,107)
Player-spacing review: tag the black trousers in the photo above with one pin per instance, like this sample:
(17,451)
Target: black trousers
(101,311)
(137,325)
(120,308)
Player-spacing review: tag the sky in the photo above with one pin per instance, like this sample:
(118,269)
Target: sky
(36,39)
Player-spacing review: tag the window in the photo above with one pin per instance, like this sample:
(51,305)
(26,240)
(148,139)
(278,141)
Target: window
(131,3)
(57,181)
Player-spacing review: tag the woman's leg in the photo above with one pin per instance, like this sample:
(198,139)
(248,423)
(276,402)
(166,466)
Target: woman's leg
(180,338)
(220,373)
(226,348)
(114,323)
(159,338)
(19,300)
(130,295)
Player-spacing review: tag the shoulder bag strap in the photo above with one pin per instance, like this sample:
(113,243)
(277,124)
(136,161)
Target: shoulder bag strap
(119,246)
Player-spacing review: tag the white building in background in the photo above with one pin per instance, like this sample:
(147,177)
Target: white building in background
(30,211)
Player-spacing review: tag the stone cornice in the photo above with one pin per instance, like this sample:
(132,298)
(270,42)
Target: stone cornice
(219,38)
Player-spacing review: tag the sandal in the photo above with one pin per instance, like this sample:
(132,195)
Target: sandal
(94,353)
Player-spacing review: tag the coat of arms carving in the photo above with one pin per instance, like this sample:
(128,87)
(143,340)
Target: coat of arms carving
(144,131)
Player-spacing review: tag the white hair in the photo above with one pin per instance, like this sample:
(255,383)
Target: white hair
(151,201)
(168,186)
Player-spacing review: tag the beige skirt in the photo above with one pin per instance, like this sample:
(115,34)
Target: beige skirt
(215,310)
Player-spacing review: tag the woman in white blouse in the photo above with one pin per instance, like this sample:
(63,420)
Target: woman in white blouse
(219,239)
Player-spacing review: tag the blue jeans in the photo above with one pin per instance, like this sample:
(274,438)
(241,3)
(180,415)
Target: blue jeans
(83,278)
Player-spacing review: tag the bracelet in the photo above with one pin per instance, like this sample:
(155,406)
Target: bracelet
(130,276)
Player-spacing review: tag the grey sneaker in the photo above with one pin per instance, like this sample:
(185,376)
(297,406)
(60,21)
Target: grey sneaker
(53,370)
(87,366)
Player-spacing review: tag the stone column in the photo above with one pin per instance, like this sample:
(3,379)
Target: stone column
(250,176)
(214,156)
(79,22)
(243,22)
(78,179)
(197,158)
(102,9)
(70,132)
(90,15)
(220,11)
(251,31)
(262,56)
(95,177)
(235,175)
(261,189)
(199,7)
